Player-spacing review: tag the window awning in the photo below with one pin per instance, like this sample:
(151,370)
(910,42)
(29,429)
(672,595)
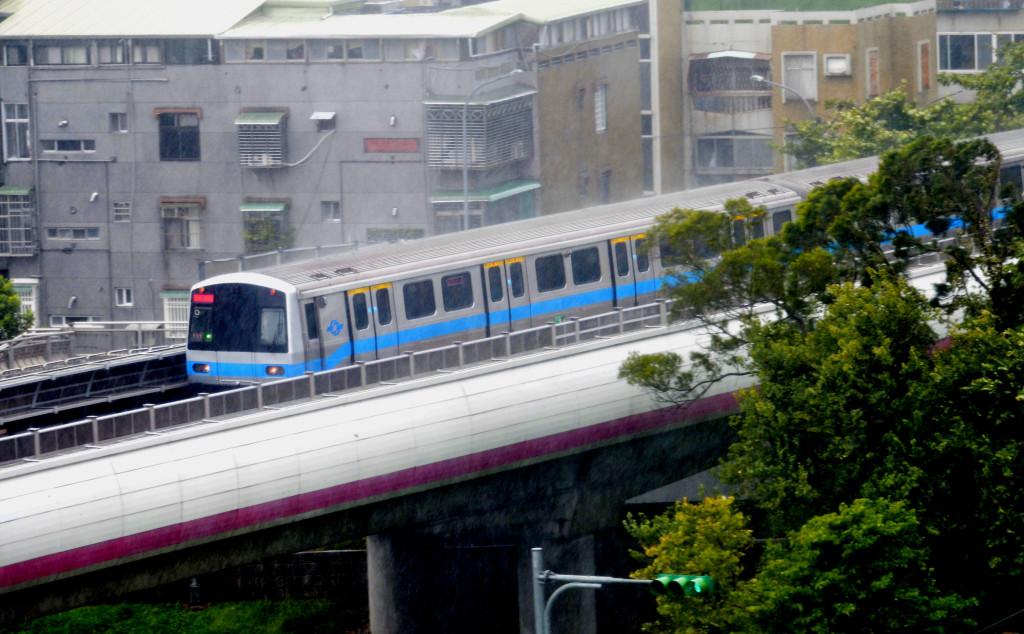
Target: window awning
(730,55)
(14,190)
(322,116)
(489,195)
(263,206)
(260,118)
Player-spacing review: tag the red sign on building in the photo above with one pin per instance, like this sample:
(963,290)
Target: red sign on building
(391,146)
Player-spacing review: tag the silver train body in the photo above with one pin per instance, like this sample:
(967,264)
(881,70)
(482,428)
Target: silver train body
(382,301)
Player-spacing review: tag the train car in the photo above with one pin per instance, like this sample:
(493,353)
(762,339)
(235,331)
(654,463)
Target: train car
(382,301)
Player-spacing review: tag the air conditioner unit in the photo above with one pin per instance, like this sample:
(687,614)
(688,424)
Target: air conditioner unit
(838,65)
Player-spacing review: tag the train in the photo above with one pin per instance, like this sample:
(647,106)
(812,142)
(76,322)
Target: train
(382,301)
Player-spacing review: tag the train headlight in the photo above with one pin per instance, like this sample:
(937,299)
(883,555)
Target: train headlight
(201,368)
(275,370)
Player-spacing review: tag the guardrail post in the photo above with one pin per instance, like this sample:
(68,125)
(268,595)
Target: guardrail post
(36,445)
(152,415)
(11,362)
(206,404)
(554,334)
(312,383)
(662,312)
(259,396)
(48,350)
(94,422)
(462,353)
(575,330)
(619,312)
(362,373)
(412,364)
(508,343)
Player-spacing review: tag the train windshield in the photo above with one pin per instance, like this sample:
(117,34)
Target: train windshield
(238,318)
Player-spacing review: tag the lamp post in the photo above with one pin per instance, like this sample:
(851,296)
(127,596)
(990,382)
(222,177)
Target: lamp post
(809,108)
(465,144)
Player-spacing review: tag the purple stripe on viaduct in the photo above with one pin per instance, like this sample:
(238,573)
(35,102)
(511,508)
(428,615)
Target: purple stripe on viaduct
(251,517)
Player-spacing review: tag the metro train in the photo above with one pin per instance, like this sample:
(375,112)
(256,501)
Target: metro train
(382,301)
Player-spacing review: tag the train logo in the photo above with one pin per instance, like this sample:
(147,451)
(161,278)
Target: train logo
(335,327)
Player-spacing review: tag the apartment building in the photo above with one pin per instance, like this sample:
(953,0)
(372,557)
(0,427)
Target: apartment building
(143,138)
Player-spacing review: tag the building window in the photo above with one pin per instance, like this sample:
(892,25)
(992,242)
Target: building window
(326,50)
(266,226)
(874,81)
(16,145)
(179,135)
(176,310)
(261,138)
(724,84)
(601,108)
(73,233)
(57,321)
(51,146)
(123,297)
(189,52)
(16,54)
(800,73)
(924,66)
(17,221)
(118,121)
(122,212)
(377,236)
(965,52)
(61,53)
(111,51)
(25,289)
(146,52)
(724,154)
(181,226)
(330,210)
(604,187)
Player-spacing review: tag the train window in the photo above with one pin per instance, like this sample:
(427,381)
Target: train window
(621,259)
(515,278)
(199,328)
(360,316)
(457,291)
(586,266)
(272,328)
(550,273)
(643,262)
(383,300)
(311,329)
(496,284)
(780,218)
(419,299)
(1012,174)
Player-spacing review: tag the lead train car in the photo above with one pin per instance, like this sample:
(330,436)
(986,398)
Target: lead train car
(381,301)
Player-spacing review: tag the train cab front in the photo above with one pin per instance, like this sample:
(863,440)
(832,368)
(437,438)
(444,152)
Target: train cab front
(238,334)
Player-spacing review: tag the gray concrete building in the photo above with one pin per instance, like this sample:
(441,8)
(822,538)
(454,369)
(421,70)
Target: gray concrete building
(142,138)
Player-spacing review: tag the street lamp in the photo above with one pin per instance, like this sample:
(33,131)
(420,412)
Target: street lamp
(465,145)
(809,108)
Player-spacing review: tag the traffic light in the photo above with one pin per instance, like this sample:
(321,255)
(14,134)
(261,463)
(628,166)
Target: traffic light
(683,585)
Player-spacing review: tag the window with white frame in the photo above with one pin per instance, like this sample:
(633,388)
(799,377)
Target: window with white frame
(118,122)
(56,321)
(73,233)
(601,108)
(76,146)
(111,51)
(181,225)
(175,312)
(965,51)
(800,74)
(54,52)
(122,212)
(16,135)
(123,297)
(146,52)
(26,290)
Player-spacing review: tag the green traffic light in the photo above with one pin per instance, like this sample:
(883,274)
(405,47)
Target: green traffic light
(683,585)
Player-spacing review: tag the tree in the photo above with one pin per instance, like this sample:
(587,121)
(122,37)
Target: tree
(12,321)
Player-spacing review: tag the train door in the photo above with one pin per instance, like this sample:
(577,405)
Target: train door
(498,318)
(518,293)
(361,333)
(313,342)
(643,273)
(385,326)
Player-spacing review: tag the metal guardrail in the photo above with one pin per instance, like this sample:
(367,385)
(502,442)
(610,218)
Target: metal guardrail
(150,419)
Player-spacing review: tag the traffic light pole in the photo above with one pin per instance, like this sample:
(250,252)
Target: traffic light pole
(541,577)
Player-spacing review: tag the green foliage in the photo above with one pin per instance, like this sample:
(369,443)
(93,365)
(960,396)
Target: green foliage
(12,322)
(267,234)
(863,569)
(709,538)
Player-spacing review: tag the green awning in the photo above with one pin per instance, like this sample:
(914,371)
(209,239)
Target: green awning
(259,118)
(489,195)
(263,206)
(14,190)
